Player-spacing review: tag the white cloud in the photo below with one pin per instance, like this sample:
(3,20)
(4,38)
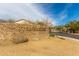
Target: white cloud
(63,16)
(64,13)
(17,11)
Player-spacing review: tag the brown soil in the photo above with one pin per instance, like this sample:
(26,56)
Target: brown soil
(42,47)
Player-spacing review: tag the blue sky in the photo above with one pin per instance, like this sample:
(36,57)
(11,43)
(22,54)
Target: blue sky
(57,13)
(61,13)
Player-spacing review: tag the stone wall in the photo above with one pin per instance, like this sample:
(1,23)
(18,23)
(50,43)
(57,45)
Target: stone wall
(12,31)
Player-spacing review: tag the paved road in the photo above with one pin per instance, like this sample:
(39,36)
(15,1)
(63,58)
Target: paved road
(66,35)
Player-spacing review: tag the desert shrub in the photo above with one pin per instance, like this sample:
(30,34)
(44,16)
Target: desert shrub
(51,35)
(19,38)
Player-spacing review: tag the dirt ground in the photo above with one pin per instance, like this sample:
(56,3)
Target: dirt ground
(43,47)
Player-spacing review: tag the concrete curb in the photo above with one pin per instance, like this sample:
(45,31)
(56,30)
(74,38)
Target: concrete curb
(68,38)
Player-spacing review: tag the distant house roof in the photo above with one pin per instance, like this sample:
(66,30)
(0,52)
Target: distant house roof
(23,21)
